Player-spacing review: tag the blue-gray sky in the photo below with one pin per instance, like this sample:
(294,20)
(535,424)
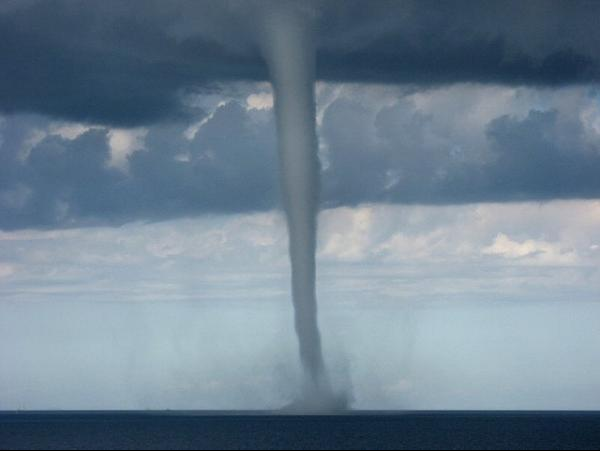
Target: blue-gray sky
(480,306)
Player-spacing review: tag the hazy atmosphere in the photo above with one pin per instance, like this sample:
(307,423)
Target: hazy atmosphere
(159,163)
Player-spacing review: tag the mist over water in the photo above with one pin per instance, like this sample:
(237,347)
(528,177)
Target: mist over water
(446,354)
(290,54)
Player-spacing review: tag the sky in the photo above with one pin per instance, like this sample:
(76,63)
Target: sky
(143,253)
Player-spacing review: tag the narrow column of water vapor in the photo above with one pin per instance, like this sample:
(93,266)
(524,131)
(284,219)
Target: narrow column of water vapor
(290,54)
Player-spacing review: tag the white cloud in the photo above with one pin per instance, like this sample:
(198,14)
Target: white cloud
(552,233)
(326,94)
(524,233)
(530,250)
(488,248)
(590,118)
(69,131)
(346,233)
(34,137)
(191,132)
(259,101)
(123,143)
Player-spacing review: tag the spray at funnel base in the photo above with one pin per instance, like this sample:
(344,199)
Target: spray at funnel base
(291,58)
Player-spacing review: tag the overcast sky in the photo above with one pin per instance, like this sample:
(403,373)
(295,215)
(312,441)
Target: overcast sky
(143,257)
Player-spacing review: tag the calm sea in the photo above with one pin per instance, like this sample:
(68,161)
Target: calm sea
(263,430)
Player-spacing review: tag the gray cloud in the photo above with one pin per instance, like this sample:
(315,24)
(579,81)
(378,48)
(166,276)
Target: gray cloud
(229,166)
(404,156)
(146,63)
(533,162)
(398,153)
(132,63)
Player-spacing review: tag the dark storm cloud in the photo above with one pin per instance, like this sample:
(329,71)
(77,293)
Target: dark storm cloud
(534,161)
(433,42)
(137,62)
(132,62)
(398,155)
(229,166)
(402,158)
(110,62)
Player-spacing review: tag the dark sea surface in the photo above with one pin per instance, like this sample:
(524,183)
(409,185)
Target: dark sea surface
(264,430)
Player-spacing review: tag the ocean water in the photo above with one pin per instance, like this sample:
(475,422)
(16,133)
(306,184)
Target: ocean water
(265,430)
